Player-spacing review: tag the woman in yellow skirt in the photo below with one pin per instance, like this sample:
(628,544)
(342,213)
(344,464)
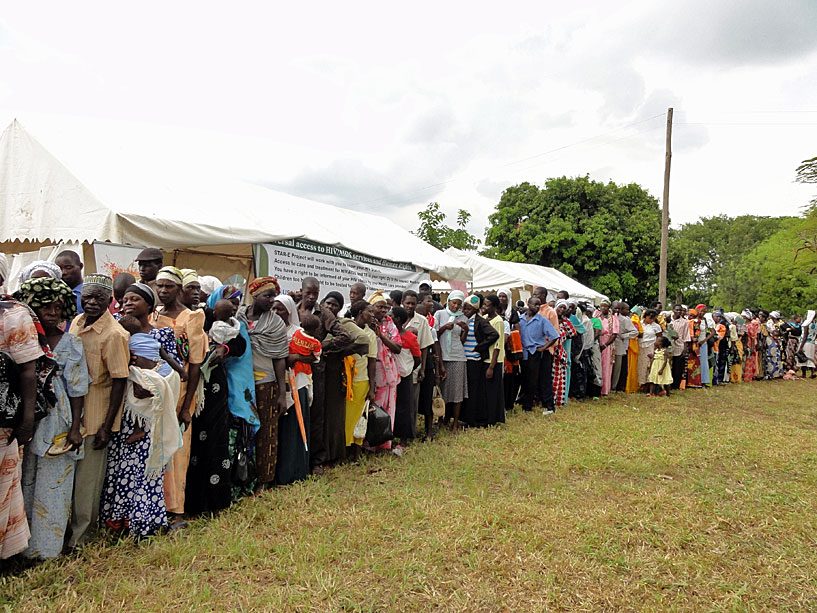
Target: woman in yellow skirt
(359,370)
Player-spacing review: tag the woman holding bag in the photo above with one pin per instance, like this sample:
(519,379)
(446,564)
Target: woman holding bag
(387,373)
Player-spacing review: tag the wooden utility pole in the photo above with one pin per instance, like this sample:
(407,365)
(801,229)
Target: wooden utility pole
(662,272)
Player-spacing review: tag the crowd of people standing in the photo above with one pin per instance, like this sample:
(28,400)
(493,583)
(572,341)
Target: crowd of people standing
(132,405)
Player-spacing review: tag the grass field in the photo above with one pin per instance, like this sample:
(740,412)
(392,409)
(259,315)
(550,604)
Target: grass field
(704,501)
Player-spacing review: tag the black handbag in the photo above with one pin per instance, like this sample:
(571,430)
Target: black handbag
(378,430)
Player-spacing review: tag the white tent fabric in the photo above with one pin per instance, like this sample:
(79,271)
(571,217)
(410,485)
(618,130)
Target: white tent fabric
(490,274)
(41,200)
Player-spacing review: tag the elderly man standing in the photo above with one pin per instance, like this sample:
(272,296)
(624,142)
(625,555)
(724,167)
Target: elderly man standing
(339,341)
(106,351)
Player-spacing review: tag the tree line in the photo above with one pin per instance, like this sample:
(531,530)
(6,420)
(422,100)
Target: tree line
(608,236)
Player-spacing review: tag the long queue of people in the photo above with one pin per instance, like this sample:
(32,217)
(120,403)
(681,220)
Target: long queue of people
(132,405)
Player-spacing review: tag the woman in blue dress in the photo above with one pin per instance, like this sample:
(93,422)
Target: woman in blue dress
(132,500)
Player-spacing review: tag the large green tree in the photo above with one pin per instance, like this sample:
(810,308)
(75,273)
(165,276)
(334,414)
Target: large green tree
(435,231)
(606,236)
(709,256)
(779,272)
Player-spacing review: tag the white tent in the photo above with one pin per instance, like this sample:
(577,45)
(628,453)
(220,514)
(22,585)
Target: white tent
(43,202)
(491,275)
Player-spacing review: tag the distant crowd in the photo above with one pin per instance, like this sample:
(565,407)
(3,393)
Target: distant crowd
(131,405)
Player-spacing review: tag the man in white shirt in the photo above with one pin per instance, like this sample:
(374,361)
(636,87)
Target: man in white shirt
(626,331)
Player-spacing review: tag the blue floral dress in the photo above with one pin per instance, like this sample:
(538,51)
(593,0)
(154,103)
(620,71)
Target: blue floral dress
(48,483)
(131,500)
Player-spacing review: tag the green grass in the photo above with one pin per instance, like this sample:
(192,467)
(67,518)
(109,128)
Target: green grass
(704,501)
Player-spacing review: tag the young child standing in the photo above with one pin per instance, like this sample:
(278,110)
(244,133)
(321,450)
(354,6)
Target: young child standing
(304,343)
(660,371)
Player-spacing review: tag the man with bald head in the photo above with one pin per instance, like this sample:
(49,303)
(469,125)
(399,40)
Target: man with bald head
(121,282)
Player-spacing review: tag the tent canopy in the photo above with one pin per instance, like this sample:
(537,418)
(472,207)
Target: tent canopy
(490,274)
(43,201)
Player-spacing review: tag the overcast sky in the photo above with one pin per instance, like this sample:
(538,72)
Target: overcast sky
(383,109)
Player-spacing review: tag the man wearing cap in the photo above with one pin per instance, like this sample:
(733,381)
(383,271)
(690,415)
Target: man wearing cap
(149,261)
(107,355)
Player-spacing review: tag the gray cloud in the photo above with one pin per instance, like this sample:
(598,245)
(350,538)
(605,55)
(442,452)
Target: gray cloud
(734,32)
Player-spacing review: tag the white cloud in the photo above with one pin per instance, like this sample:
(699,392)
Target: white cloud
(385,107)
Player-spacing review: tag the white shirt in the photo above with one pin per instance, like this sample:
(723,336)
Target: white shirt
(651,331)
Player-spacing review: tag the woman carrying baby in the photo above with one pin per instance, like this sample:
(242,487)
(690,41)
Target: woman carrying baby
(222,432)
(133,497)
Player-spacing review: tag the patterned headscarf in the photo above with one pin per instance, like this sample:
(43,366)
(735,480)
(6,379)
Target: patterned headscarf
(376,297)
(262,284)
(42,291)
(50,268)
(170,273)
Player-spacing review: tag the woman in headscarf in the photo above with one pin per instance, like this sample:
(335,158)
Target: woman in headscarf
(792,331)
(609,332)
(270,349)
(244,422)
(48,479)
(133,498)
(698,358)
(208,285)
(192,342)
(513,348)
(387,370)
(575,369)
(452,327)
(773,362)
(293,452)
(561,357)
(27,395)
(634,352)
(750,365)
(40,269)
(339,380)
(220,471)
(807,350)
(361,374)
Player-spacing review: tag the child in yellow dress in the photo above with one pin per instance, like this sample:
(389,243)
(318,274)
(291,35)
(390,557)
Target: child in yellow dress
(660,371)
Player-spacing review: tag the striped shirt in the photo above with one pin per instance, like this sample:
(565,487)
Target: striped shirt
(470,343)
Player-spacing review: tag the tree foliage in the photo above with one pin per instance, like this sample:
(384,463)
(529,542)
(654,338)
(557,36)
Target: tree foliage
(606,236)
(708,256)
(433,229)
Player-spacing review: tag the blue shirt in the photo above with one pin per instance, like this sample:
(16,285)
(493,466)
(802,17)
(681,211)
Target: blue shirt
(77,291)
(535,332)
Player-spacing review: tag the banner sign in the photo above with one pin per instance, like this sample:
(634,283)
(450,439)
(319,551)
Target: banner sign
(337,268)
(112,259)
